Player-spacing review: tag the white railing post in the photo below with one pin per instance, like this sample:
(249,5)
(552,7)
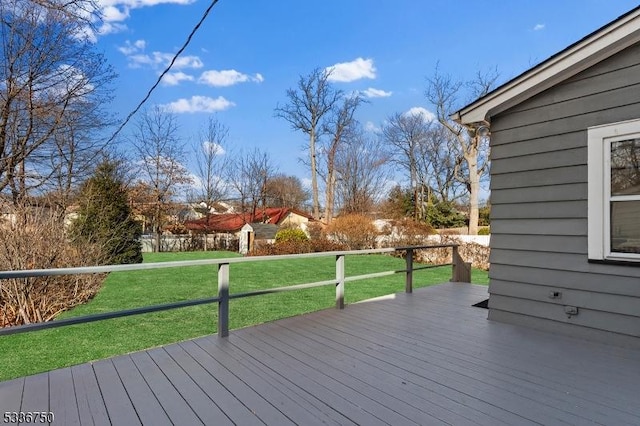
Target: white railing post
(408,286)
(223,302)
(340,281)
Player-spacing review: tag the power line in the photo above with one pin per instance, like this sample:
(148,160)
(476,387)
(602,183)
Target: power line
(166,70)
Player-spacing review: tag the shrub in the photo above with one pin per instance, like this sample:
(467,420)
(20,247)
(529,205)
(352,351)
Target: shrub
(407,232)
(484,214)
(316,230)
(484,231)
(34,238)
(355,231)
(291,235)
(297,247)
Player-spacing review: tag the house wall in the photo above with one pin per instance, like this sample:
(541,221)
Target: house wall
(539,209)
(293,220)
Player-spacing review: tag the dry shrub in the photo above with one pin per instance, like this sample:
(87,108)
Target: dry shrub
(475,253)
(34,238)
(452,231)
(316,230)
(407,232)
(297,247)
(355,231)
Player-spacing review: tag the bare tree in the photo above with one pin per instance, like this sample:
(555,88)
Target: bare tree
(51,81)
(307,106)
(444,93)
(407,134)
(336,127)
(249,174)
(439,161)
(286,191)
(74,152)
(160,154)
(361,167)
(210,166)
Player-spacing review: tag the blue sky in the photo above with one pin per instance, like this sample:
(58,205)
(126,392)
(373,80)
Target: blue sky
(248,53)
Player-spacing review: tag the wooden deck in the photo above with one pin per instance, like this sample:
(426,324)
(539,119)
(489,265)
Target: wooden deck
(425,358)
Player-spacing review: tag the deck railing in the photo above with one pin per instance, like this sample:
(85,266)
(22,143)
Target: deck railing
(461,272)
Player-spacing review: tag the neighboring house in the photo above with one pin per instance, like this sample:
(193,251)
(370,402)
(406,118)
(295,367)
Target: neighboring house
(232,223)
(565,188)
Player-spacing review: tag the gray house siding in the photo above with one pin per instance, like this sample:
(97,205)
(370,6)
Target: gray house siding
(539,208)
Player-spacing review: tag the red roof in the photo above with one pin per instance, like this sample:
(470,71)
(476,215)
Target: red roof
(233,222)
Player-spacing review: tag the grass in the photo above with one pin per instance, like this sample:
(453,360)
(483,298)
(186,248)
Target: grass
(30,353)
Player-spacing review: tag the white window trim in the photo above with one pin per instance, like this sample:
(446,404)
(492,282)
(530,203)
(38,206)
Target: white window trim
(599,188)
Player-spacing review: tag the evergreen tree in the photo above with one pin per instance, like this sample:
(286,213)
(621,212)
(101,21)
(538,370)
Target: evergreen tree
(105,218)
(443,214)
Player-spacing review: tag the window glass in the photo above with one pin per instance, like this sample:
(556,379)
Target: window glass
(625,226)
(625,167)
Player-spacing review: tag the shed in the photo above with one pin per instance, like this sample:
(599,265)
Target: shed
(252,234)
(565,188)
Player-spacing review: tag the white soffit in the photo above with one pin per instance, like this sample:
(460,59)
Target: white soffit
(605,42)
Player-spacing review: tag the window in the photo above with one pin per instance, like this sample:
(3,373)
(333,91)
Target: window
(614,191)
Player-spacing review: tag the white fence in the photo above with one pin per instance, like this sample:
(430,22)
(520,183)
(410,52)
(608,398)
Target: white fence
(483,240)
(190,242)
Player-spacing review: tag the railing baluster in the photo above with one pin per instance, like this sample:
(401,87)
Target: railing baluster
(223,302)
(408,287)
(340,281)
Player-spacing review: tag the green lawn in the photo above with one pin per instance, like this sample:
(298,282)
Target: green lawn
(34,352)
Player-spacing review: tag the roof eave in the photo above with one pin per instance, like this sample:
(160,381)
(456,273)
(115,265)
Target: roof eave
(596,47)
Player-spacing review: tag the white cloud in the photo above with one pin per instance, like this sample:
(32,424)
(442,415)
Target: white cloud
(369,126)
(114,14)
(198,104)
(376,93)
(213,148)
(138,58)
(423,112)
(357,69)
(538,27)
(181,62)
(130,48)
(174,78)
(119,10)
(226,78)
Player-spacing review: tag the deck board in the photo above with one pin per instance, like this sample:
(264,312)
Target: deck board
(116,399)
(11,395)
(91,408)
(521,382)
(422,358)
(176,408)
(35,396)
(142,397)
(224,400)
(315,408)
(64,407)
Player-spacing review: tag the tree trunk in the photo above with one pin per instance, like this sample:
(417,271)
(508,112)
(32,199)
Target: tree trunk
(314,176)
(330,195)
(157,229)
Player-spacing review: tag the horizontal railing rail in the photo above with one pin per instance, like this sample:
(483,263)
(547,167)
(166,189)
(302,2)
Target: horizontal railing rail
(460,273)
